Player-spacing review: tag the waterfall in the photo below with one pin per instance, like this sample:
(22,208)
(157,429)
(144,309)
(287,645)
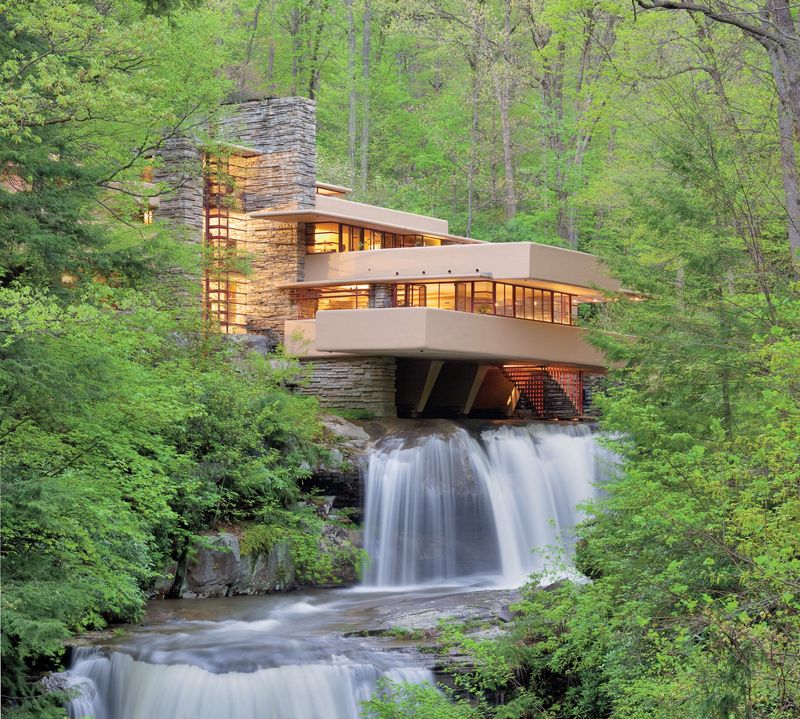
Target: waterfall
(444,505)
(120,687)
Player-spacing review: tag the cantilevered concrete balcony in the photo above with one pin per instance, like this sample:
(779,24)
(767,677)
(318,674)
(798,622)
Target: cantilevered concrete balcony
(424,332)
(545,266)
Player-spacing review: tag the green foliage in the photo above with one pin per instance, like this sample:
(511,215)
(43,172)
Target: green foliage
(316,561)
(122,435)
(400,700)
(351,413)
(124,428)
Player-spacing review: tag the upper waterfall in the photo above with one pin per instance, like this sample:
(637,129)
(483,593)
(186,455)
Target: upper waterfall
(444,505)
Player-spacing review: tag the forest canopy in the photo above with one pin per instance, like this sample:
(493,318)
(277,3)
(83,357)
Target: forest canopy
(661,136)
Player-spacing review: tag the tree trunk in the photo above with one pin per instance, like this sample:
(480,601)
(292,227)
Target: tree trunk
(243,79)
(472,168)
(553,100)
(294,31)
(352,94)
(365,68)
(503,91)
(315,68)
(788,130)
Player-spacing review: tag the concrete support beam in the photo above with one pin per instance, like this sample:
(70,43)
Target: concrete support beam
(511,403)
(434,367)
(477,381)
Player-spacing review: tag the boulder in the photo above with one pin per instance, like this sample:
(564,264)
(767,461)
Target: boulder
(343,543)
(164,581)
(266,572)
(212,568)
(349,433)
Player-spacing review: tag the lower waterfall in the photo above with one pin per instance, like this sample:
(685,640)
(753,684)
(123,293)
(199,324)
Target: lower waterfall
(123,688)
(443,506)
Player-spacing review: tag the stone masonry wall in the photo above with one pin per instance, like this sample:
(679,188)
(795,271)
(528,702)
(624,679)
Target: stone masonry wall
(380,296)
(366,383)
(281,178)
(182,173)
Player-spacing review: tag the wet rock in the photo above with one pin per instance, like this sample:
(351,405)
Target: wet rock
(349,433)
(505,614)
(56,682)
(342,544)
(266,572)
(321,505)
(80,691)
(212,568)
(418,613)
(335,458)
(555,585)
(263,344)
(163,583)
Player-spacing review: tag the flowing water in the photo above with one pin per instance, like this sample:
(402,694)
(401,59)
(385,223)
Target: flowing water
(449,505)
(443,506)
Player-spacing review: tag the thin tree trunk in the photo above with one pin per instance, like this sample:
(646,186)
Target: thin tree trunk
(249,53)
(472,168)
(271,65)
(352,93)
(271,53)
(503,91)
(294,31)
(314,61)
(365,70)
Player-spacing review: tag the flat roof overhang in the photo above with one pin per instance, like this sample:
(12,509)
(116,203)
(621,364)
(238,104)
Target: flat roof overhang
(358,221)
(543,266)
(428,333)
(334,209)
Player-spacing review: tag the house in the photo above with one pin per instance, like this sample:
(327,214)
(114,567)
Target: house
(396,315)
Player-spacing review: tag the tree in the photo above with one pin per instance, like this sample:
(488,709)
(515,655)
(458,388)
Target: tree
(775,25)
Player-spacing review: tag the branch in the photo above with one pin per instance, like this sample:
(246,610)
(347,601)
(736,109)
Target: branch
(762,35)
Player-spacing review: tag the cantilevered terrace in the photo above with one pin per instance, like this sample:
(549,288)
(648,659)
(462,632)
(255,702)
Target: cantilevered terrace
(433,294)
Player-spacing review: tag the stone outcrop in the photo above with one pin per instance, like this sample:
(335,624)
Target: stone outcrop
(212,570)
(216,567)
(265,573)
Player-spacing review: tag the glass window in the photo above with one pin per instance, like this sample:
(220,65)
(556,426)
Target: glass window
(463,298)
(528,311)
(323,237)
(483,298)
(447,296)
(504,300)
(519,302)
(346,241)
(547,306)
(566,310)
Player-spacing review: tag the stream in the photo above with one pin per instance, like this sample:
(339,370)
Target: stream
(451,516)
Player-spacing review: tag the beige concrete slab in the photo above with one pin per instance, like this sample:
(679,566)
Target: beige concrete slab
(427,333)
(328,208)
(539,265)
